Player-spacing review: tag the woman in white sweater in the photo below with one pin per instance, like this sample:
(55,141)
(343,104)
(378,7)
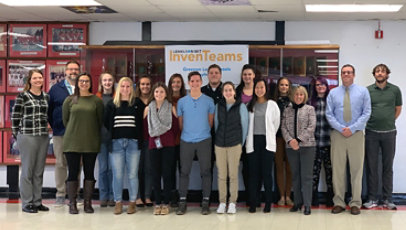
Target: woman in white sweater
(261,143)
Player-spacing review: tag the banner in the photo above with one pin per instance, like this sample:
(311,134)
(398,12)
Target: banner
(184,59)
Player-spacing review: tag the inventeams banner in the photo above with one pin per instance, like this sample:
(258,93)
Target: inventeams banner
(187,58)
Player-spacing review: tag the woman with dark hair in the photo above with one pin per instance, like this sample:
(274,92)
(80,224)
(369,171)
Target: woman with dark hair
(82,115)
(298,125)
(245,89)
(261,143)
(176,90)
(143,93)
(124,121)
(29,127)
(322,134)
(106,93)
(283,172)
(162,126)
(231,126)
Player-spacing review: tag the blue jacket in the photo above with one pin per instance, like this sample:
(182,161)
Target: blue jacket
(57,95)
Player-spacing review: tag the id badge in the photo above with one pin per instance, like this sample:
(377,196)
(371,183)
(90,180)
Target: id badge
(158,143)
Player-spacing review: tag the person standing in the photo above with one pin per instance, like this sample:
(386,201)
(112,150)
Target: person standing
(348,110)
(380,136)
(231,126)
(196,114)
(322,135)
(82,115)
(298,125)
(213,88)
(57,95)
(106,93)
(30,128)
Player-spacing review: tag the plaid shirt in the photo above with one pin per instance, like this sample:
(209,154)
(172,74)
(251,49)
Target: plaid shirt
(323,128)
(30,115)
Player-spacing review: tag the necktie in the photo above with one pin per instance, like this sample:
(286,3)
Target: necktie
(347,106)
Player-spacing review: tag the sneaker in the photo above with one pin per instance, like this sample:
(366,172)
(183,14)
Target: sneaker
(370,204)
(181,208)
(389,205)
(164,209)
(157,210)
(205,207)
(59,201)
(231,208)
(222,208)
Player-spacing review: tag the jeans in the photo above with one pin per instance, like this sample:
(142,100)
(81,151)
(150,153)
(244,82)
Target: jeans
(105,174)
(125,155)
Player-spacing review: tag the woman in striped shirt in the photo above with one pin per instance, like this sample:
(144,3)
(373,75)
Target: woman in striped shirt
(124,121)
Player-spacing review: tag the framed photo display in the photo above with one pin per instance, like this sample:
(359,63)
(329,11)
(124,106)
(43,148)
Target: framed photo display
(27,40)
(1,146)
(11,153)
(64,40)
(1,112)
(9,101)
(3,40)
(18,73)
(2,76)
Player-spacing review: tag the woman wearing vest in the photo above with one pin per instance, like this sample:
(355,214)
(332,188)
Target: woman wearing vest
(162,125)
(231,126)
(298,125)
(30,128)
(124,121)
(261,143)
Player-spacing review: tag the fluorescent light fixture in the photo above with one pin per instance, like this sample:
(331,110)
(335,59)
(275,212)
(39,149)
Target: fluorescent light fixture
(309,42)
(66,43)
(327,60)
(50,3)
(327,66)
(353,7)
(325,51)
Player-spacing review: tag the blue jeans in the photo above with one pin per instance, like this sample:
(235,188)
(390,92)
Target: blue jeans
(105,174)
(125,155)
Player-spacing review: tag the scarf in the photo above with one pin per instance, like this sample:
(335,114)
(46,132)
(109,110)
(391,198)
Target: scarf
(159,121)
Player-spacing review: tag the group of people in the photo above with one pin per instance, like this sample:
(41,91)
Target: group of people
(151,131)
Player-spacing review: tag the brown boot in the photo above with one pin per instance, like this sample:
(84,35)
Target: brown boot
(71,188)
(118,208)
(131,208)
(88,187)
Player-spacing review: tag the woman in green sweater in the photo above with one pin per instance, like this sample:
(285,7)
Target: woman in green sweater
(82,115)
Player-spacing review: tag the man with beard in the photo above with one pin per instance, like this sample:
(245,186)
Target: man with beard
(57,95)
(380,136)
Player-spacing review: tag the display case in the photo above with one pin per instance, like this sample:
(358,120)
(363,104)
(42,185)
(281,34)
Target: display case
(27,40)
(64,40)
(3,40)
(11,153)
(1,146)
(2,76)
(9,102)
(1,112)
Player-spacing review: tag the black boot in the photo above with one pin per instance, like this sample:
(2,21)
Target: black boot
(329,198)
(307,210)
(88,187)
(267,207)
(72,189)
(296,208)
(315,198)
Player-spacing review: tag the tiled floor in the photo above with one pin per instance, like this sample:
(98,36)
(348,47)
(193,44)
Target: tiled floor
(12,218)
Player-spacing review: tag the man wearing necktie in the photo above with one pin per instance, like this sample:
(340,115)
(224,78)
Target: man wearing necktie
(348,110)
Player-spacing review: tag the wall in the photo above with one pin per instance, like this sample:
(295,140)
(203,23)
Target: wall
(357,46)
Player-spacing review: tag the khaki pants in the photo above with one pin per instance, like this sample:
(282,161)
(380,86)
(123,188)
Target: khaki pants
(351,148)
(227,162)
(61,166)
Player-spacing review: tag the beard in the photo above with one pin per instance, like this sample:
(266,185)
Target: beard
(383,80)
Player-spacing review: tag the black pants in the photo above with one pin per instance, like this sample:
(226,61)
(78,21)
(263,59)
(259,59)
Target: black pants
(322,155)
(260,165)
(162,164)
(89,161)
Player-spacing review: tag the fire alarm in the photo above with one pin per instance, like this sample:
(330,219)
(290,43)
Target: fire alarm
(378,34)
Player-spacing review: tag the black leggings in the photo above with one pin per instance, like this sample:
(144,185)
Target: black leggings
(89,161)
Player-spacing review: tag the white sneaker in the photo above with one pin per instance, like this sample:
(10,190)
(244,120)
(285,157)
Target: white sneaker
(231,209)
(371,204)
(389,205)
(222,208)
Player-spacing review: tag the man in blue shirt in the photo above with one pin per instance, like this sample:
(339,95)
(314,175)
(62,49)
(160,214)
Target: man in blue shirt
(196,113)
(58,93)
(348,110)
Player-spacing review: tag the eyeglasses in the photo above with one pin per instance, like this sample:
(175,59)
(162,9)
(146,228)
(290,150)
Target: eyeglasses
(84,81)
(347,72)
(72,69)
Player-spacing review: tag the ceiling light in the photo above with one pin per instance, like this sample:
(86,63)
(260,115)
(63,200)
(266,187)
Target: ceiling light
(327,60)
(326,51)
(50,3)
(353,8)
